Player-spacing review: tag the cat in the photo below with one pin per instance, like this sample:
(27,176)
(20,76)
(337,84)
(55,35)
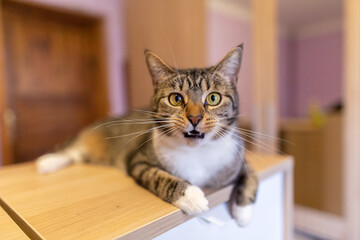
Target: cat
(186,141)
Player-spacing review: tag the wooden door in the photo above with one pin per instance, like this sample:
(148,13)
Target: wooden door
(54,77)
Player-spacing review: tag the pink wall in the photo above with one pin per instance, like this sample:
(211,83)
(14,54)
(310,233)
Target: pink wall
(310,68)
(287,84)
(223,33)
(318,71)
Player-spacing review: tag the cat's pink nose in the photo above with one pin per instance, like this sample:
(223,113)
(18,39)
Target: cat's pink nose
(195,120)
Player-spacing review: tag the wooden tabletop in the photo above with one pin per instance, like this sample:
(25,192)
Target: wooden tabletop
(94,202)
(9,230)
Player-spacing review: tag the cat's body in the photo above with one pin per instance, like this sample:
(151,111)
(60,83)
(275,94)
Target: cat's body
(188,140)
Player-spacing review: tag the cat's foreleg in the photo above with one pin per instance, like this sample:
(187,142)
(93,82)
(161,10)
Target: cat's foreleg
(187,197)
(52,162)
(88,146)
(244,196)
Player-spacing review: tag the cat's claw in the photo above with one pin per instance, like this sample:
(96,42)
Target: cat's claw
(193,202)
(242,214)
(51,162)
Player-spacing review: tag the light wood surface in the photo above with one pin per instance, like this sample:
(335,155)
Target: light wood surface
(352,118)
(94,202)
(9,230)
(265,65)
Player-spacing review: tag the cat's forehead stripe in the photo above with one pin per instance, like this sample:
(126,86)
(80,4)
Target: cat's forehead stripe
(194,79)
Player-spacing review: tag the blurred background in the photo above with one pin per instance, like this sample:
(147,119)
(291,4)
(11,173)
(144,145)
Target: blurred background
(67,63)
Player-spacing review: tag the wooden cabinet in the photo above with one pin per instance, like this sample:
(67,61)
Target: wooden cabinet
(318,154)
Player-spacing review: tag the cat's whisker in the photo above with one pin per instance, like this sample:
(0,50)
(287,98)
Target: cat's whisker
(244,148)
(142,134)
(160,135)
(237,149)
(259,144)
(143,131)
(151,112)
(153,137)
(257,133)
(128,121)
(175,132)
(172,54)
(256,142)
(138,123)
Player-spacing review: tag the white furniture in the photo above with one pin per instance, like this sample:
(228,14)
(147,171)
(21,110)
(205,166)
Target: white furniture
(267,222)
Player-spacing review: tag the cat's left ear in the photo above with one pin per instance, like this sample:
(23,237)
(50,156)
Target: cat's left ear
(158,69)
(229,66)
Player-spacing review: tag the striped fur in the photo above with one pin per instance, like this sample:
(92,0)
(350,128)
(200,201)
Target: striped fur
(157,146)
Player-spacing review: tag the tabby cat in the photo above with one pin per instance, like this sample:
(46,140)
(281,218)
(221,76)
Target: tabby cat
(188,140)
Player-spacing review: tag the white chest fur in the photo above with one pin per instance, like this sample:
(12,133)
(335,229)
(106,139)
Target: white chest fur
(196,164)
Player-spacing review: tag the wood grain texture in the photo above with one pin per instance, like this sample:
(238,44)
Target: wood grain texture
(9,230)
(174,30)
(6,144)
(55,76)
(94,202)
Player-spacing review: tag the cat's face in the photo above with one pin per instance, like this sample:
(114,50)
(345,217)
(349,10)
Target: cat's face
(195,106)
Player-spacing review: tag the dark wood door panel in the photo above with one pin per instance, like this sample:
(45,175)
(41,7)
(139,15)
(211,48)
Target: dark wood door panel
(54,76)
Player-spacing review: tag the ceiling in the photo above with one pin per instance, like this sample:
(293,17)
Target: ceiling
(296,13)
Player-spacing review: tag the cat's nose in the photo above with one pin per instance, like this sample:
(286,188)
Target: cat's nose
(195,120)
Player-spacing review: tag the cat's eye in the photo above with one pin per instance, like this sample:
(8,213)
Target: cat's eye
(176,99)
(213,99)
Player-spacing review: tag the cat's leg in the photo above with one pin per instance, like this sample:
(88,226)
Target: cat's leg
(52,162)
(244,196)
(87,146)
(189,198)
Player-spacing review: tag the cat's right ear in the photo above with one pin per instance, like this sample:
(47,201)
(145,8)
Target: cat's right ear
(158,69)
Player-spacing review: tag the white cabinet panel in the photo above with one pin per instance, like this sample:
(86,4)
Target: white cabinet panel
(268,221)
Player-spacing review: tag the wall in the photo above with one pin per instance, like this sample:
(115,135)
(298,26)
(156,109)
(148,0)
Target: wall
(227,27)
(311,72)
(287,83)
(318,71)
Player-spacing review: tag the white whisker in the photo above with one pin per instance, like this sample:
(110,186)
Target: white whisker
(141,132)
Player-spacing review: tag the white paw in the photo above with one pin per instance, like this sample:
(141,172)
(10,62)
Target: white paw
(242,214)
(51,162)
(193,201)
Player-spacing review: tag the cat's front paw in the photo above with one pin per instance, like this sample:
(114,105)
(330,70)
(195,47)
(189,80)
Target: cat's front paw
(51,162)
(193,201)
(242,214)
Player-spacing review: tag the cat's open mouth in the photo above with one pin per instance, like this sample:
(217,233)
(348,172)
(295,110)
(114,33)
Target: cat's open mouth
(194,134)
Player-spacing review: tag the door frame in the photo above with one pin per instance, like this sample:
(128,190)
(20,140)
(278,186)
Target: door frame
(101,103)
(351,135)
(6,145)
